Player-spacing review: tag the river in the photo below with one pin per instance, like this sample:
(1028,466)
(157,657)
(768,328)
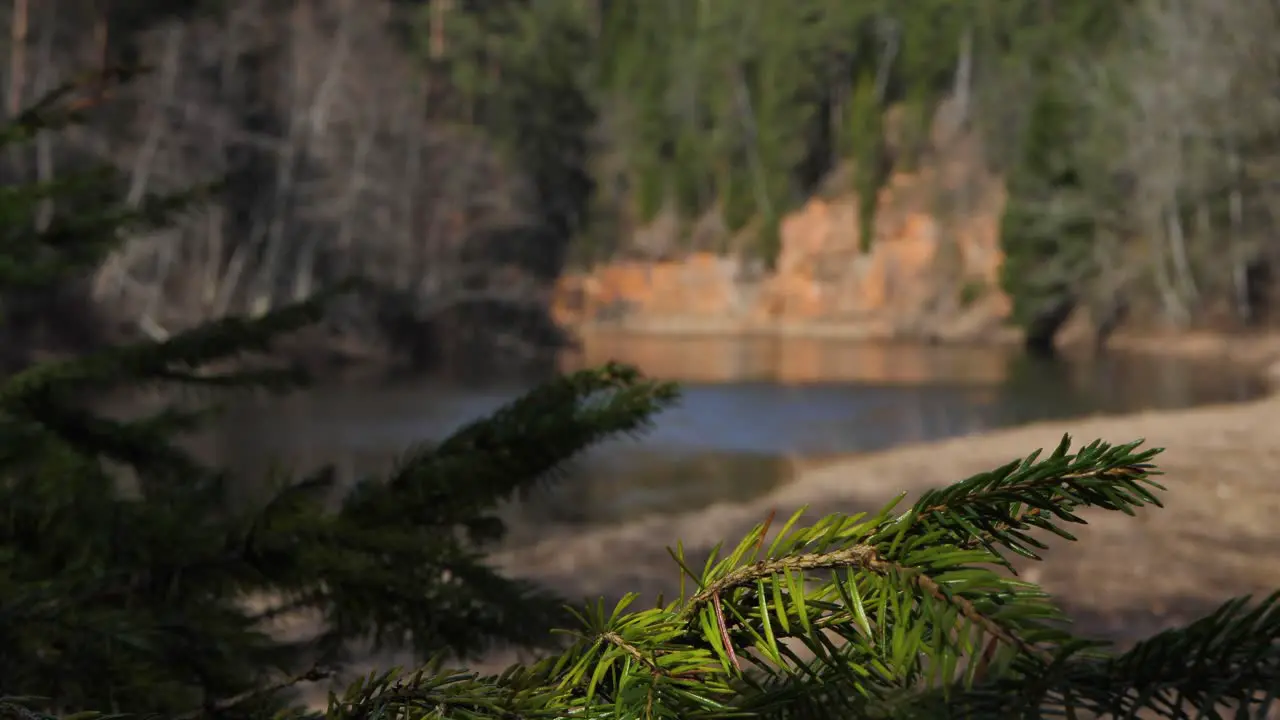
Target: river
(755,411)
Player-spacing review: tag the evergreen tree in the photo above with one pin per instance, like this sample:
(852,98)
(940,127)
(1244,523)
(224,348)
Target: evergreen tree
(524,70)
(739,108)
(149,590)
(1046,238)
(1048,229)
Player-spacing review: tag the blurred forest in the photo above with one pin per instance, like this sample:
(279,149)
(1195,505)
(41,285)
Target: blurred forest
(461,154)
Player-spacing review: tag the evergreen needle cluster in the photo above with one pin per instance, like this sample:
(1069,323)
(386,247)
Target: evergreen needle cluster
(136,600)
(891,615)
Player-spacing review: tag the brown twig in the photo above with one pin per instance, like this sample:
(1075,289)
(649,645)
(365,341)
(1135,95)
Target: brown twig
(984,660)
(616,639)
(862,556)
(764,531)
(312,675)
(724,632)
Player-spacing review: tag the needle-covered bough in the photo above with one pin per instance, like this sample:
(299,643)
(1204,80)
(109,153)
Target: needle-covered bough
(911,614)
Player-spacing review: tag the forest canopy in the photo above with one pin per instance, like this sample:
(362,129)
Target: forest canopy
(462,154)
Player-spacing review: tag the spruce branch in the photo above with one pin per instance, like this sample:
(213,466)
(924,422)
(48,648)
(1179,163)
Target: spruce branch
(66,105)
(526,443)
(147,361)
(1231,657)
(364,565)
(998,508)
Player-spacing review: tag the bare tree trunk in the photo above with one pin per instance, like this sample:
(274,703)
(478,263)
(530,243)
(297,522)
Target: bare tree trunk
(963,86)
(17,57)
(221,275)
(325,96)
(210,262)
(355,188)
(410,242)
(888,56)
(747,114)
(144,160)
(403,201)
(267,279)
(17,75)
(1239,262)
(439,13)
(102,42)
(115,278)
(1186,283)
(319,113)
(44,84)
(1171,302)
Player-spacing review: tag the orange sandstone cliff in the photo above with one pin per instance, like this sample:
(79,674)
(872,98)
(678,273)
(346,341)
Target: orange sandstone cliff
(929,271)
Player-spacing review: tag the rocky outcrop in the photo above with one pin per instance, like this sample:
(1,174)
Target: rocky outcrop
(929,270)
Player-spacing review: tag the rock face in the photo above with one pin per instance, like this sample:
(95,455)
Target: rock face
(698,285)
(930,269)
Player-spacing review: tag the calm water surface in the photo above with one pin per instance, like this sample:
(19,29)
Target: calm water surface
(753,410)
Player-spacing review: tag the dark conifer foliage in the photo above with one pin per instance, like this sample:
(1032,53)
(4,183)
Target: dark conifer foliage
(153,596)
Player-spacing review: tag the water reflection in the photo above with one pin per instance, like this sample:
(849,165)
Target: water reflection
(794,361)
(616,486)
(751,408)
